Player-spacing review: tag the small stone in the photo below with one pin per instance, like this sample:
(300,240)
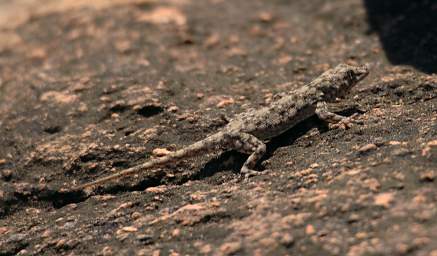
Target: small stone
(230,248)
(159,152)
(394,142)
(129,229)
(173,109)
(309,229)
(23,252)
(367,148)
(361,235)
(206,249)
(123,46)
(212,40)
(353,218)
(144,238)
(430,150)
(287,240)
(384,199)
(224,102)
(46,233)
(427,176)
(163,15)
(176,232)
(157,189)
(315,165)
(38,53)
(136,215)
(60,243)
(265,17)
(107,251)
(6,174)
(58,97)
(4,230)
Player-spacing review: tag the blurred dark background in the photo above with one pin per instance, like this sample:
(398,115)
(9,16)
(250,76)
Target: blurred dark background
(407,30)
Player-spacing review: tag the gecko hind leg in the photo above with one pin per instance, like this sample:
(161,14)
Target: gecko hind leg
(247,144)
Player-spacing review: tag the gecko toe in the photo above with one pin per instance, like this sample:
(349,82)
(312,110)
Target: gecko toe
(346,123)
(249,173)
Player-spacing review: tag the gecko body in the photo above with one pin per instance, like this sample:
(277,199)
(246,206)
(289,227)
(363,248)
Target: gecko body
(247,132)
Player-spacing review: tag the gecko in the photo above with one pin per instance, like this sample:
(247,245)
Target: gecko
(249,131)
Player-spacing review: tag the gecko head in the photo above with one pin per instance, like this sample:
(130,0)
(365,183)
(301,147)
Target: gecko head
(337,82)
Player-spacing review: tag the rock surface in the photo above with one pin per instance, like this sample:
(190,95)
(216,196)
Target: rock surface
(88,88)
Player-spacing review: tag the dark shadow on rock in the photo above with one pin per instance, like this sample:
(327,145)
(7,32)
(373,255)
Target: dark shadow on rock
(407,30)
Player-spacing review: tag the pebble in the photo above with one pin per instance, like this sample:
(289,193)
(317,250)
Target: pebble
(46,233)
(430,150)
(4,230)
(136,215)
(23,252)
(145,238)
(230,248)
(384,199)
(225,102)
(173,109)
(107,251)
(265,17)
(309,229)
(6,174)
(367,148)
(206,249)
(176,232)
(287,240)
(60,243)
(427,176)
(158,152)
(129,229)
(353,218)
(157,189)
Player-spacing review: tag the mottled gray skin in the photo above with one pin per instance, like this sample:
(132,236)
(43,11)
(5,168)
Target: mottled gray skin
(248,131)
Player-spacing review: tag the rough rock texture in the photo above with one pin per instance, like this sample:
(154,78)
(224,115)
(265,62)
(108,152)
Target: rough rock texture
(87,89)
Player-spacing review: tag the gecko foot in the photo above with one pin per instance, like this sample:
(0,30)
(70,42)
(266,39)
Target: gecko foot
(249,172)
(345,122)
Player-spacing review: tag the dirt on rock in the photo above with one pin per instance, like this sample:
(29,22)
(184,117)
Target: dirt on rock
(88,88)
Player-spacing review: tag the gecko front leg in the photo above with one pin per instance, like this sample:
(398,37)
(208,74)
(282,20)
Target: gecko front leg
(336,121)
(247,144)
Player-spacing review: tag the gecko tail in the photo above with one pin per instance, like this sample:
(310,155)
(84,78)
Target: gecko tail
(205,146)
